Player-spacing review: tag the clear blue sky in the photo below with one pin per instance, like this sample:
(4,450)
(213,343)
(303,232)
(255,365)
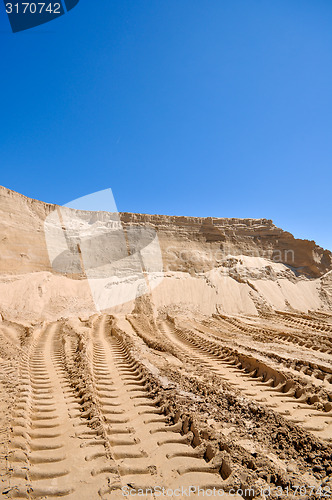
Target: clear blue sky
(195,107)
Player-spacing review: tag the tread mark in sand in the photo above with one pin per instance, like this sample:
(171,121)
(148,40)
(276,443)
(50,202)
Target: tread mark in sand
(148,452)
(281,397)
(54,450)
(46,458)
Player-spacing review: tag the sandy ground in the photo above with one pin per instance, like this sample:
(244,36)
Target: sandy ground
(122,406)
(210,377)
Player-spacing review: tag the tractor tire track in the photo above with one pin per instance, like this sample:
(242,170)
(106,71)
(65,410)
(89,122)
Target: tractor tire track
(148,451)
(259,383)
(46,454)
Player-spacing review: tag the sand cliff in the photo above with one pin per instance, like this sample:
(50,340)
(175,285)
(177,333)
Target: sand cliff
(209,264)
(212,369)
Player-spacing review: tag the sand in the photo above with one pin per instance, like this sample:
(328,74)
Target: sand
(217,378)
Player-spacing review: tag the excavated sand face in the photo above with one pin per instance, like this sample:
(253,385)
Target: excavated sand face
(217,383)
(235,266)
(189,244)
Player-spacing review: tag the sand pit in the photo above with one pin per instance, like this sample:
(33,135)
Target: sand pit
(217,383)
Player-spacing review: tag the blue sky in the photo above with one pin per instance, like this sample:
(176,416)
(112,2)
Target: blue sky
(195,107)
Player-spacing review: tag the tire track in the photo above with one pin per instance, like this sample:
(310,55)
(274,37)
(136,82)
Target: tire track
(318,372)
(312,340)
(149,452)
(317,326)
(256,381)
(46,454)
